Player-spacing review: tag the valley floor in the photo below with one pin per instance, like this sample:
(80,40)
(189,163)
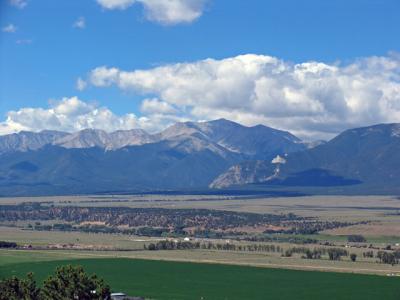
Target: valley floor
(44,246)
(381,229)
(178,280)
(202,256)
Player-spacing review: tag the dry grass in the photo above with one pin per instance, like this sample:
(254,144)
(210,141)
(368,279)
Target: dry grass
(378,209)
(388,229)
(95,240)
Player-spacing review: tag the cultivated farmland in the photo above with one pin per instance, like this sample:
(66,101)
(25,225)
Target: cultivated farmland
(174,280)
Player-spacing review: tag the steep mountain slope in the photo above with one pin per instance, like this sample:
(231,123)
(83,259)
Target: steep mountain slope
(133,137)
(368,156)
(257,142)
(24,140)
(247,172)
(88,138)
(186,155)
(152,166)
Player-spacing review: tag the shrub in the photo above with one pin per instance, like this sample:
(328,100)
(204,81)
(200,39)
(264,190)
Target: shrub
(68,282)
(4,244)
(356,238)
(353,257)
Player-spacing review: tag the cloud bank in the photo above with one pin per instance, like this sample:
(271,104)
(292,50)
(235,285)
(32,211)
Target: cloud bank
(311,99)
(166,12)
(73,114)
(68,114)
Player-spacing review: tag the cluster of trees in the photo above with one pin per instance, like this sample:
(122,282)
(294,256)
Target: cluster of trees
(171,245)
(160,221)
(281,239)
(95,228)
(356,238)
(337,253)
(136,217)
(334,253)
(386,257)
(353,257)
(4,244)
(184,245)
(317,253)
(368,254)
(312,254)
(175,219)
(311,226)
(68,283)
(307,252)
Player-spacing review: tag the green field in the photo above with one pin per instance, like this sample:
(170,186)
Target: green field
(177,280)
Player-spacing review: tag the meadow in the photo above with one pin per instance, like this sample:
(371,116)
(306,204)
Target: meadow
(178,280)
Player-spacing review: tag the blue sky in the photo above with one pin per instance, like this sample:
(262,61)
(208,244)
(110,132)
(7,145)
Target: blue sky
(43,54)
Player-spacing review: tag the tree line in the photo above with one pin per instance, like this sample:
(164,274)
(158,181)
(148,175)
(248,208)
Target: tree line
(4,244)
(331,253)
(161,221)
(187,245)
(68,283)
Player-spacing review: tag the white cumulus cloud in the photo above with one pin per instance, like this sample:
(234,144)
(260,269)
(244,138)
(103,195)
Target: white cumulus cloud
(167,12)
(172,12)
(116,4)
(79,23)
(24,42)
(103,76)
(80,84)
(18,3)
(69,114)
(10,28)
(155,106)
(311,99)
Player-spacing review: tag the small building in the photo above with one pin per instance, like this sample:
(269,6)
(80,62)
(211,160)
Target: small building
(122,296)
(118,296)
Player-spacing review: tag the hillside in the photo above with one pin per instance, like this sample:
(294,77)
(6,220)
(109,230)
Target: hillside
(369,156)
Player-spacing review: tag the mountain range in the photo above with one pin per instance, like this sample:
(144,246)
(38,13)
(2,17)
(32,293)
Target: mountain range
(368,157)
(196,155)
(184,156)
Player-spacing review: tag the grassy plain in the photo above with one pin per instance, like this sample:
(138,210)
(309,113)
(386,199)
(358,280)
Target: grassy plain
(380,211)
(341,208)
(98,240)
(177,280)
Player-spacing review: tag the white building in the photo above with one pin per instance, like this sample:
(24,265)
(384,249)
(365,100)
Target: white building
(118,296)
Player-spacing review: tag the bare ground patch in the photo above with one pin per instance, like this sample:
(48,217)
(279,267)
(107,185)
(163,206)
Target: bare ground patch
(372,229)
